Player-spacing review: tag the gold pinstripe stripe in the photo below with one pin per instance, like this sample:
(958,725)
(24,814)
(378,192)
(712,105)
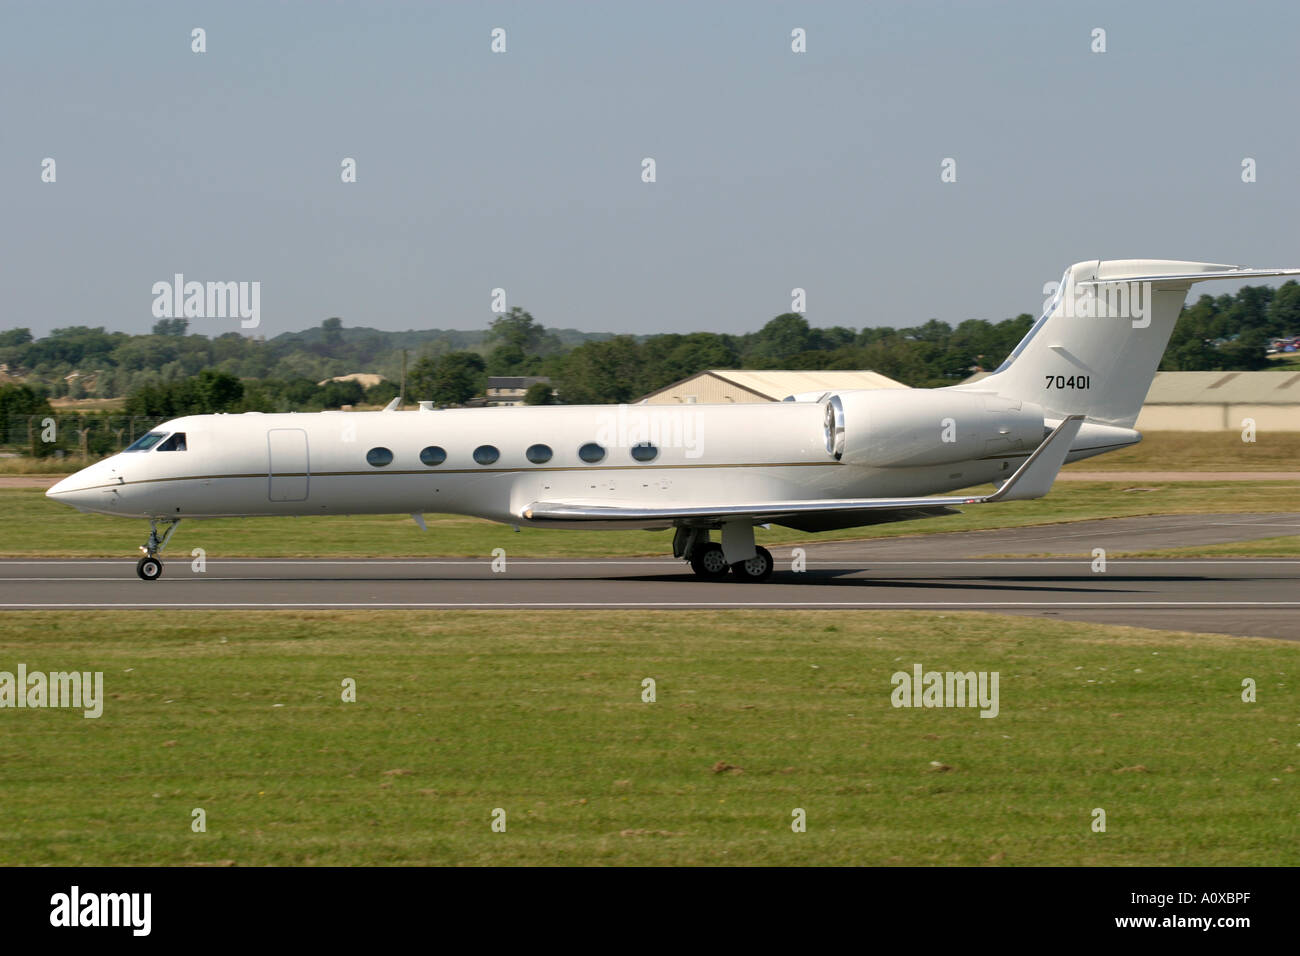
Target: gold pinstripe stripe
(434,471)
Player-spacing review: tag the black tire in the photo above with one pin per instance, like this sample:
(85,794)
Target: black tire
(149,569)
(707,561)
(757,569)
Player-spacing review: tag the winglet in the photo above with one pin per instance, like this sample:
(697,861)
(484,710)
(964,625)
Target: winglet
(394,405)
(1034,478)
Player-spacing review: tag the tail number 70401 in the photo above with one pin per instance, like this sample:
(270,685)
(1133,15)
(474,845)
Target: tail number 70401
(1072,381)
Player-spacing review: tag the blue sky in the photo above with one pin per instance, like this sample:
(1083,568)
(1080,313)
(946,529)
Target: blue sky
(522,170)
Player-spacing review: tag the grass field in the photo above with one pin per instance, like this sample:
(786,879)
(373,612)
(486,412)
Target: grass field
(1281,547)
(757,713)
(31,524)
(1286,546)
(23,465)
(1201,451)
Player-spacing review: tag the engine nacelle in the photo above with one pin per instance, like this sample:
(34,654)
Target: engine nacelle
(895,427)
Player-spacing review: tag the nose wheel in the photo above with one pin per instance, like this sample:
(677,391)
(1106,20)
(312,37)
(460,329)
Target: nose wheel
(150,567)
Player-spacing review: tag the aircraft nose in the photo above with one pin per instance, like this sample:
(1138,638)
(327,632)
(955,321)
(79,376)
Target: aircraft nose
(79,489)
(70,490)
(61,487)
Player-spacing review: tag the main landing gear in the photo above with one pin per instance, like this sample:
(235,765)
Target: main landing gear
(150,567)
(709,558)
(756,569)
(708,561)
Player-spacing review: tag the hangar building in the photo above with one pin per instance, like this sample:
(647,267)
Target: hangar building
(724,386)
(1218,401)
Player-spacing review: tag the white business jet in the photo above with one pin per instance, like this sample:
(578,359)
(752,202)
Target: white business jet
(1071,389)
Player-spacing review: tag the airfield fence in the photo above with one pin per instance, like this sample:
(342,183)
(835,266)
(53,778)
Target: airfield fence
(85,434)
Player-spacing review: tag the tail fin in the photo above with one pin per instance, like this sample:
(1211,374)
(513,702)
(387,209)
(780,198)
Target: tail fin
(1099,341)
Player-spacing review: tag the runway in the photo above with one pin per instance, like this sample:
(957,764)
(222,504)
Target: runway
(949,571)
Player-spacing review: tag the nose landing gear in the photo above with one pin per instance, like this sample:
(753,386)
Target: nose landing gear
(150,567)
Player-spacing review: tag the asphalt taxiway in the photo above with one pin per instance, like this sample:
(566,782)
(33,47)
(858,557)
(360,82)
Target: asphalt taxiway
(985,570)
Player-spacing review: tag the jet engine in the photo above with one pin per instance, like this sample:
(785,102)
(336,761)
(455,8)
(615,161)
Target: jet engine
(888,428)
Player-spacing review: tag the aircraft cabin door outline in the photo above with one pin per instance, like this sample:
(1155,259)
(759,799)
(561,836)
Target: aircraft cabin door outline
(288,464)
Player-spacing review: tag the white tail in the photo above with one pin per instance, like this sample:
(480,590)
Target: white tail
(1099,341)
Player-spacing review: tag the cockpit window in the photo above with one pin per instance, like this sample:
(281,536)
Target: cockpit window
(175,443)
(145,442)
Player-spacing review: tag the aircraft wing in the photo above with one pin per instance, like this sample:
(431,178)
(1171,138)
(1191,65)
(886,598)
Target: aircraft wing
(1032,479)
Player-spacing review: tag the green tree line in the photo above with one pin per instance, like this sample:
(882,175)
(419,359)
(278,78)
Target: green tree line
(171,371)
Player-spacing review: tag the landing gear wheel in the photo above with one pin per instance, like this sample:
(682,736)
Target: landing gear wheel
(149,569)
(756,569)
(707,561)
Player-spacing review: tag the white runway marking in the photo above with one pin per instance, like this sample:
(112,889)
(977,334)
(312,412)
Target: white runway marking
(185,559)
(874,566)
(866,564)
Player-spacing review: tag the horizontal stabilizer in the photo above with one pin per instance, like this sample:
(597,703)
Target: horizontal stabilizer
(1183,278)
